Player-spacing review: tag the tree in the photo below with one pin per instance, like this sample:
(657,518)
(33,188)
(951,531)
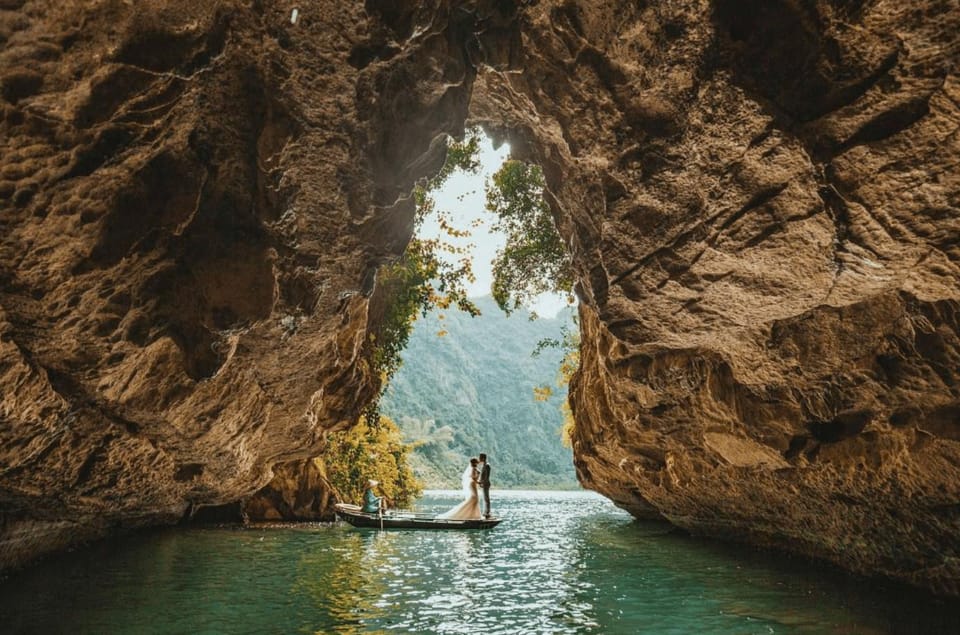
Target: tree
(366,451)
(421,279)
(534,259)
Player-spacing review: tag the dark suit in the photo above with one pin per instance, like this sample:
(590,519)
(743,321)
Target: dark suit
(485,486)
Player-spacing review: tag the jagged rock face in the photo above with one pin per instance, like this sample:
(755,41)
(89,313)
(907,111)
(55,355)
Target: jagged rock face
(763,201)
(299,491)
(195,198)
(182,290)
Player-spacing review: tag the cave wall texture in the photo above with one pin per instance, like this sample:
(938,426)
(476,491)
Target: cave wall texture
(763,201)
(760,197)
(195,198)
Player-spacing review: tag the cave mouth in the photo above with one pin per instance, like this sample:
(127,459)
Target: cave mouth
(490,382)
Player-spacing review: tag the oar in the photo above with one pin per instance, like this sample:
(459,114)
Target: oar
(380,512)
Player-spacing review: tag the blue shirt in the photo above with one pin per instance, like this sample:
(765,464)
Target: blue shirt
(371,502)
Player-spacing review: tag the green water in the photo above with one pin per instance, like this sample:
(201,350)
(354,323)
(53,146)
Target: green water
(561,562)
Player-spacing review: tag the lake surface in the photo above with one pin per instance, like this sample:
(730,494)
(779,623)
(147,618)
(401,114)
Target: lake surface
(561,562)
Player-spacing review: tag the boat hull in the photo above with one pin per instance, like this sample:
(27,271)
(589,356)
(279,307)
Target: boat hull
(352,515)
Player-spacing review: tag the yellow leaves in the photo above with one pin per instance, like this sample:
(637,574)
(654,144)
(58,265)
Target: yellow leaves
(569,365)
(363,452)
(569,426)
(542,393)
(442,333)
(452,231)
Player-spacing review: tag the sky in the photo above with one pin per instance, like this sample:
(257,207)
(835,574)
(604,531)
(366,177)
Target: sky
(462,196)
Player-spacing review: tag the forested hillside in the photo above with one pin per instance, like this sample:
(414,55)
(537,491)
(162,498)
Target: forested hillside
(466,386)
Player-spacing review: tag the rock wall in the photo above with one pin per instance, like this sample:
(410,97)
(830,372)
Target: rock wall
(299,491)
(195,198)
(760,196)
(763,202)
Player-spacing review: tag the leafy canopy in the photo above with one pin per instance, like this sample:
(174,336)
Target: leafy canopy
(418,281)
(533,260)
(432,273)
(367,451)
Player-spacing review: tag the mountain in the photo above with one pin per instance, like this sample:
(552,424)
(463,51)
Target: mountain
(467,386)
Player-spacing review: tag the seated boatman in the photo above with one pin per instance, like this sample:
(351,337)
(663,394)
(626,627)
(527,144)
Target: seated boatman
(371,502)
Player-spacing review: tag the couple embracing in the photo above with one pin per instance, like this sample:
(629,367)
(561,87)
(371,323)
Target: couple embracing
(476,474)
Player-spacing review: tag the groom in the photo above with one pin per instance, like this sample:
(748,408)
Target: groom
(485,484)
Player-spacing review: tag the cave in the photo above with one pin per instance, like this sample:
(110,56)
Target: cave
(190,235)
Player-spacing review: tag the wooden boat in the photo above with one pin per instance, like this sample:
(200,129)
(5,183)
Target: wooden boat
(407,520)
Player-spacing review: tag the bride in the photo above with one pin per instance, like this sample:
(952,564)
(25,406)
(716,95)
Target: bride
(469,509)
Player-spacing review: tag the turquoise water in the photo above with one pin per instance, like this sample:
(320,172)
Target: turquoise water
(561,562)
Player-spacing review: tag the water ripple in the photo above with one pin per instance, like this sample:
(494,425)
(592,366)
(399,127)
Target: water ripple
(559,563)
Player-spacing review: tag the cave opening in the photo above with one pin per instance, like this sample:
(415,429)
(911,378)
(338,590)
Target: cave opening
(488,357)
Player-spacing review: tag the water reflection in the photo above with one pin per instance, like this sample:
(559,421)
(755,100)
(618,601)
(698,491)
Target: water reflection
(560,563)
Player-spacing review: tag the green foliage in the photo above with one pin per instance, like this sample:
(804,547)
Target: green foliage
(476,385)
(363,452)
(421,279)
(532,262)
(408,283)
(534,259)
(569,365)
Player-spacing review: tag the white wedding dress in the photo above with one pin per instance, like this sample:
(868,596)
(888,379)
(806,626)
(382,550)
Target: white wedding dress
(469,509)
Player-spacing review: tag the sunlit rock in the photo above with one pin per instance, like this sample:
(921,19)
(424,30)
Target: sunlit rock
(761,198)
(195,198)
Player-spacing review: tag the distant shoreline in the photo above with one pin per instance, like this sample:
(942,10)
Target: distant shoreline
(513,488)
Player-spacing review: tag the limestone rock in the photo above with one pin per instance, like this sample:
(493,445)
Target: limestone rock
(763,202)
(194,199)
(299,491)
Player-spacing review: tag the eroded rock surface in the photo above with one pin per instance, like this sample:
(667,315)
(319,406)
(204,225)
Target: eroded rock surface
(195,198)
(298,491)
(763,201)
